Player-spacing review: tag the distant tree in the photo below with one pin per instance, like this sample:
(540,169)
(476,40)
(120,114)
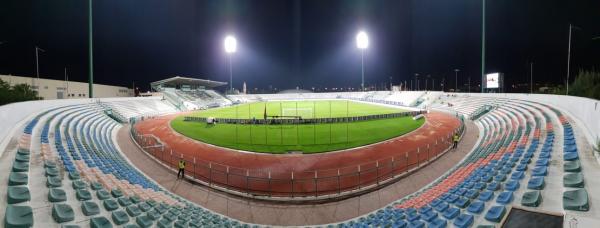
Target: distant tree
(586,84)
(4,92)
(17,93)
(24,92)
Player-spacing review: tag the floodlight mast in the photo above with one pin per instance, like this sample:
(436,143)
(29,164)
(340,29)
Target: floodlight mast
(362,43)
(230,45)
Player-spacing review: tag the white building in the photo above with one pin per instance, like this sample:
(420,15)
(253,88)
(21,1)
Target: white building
(50,89)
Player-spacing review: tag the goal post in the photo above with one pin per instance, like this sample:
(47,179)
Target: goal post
(304,112)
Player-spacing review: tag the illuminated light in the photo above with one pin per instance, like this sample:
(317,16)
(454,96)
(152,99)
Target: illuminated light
(362,40)
(230,44)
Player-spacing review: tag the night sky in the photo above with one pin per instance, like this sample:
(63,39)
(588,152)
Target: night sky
(308,43)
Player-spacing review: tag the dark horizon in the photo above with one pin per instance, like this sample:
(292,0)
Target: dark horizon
(285,44)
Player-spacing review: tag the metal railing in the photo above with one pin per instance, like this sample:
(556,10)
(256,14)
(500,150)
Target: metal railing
(308,184)
(292,120)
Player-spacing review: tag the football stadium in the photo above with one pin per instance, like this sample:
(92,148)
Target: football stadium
(419,150)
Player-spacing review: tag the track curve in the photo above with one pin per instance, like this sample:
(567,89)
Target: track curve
(297,174)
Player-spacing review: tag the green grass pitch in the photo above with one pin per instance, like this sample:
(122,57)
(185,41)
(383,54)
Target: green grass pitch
(307,138)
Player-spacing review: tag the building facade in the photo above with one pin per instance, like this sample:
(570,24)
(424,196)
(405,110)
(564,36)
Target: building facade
(50,89)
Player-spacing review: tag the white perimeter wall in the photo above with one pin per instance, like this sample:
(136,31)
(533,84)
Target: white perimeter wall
(49,89)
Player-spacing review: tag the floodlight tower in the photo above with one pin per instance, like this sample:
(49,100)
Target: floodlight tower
(362,43)
(230,45)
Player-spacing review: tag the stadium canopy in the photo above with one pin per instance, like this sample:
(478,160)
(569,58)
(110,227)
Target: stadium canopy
(185,83)
(295,91)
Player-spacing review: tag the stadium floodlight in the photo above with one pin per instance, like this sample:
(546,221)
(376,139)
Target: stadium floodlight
(362,40)
(362,43)
(230,45)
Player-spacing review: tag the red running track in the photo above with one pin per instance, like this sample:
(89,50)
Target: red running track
(297,174)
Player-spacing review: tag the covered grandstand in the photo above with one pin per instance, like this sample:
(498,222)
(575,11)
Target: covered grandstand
(190,93)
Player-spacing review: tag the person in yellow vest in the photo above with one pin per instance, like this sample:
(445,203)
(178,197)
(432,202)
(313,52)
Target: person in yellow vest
(181,166)
(455,138)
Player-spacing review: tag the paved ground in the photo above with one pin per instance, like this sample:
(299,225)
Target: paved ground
(261,212)
(279,174)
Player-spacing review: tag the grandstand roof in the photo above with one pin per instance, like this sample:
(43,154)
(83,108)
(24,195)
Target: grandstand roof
(178,80)
(295,91)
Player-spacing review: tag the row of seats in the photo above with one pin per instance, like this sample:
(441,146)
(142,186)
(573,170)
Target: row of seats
(195,99)
(19,212)
(575,197)
(139,107)
(508,166)
(87,179)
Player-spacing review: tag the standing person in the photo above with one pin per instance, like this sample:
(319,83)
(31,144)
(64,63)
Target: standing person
(181,169)
(455,139)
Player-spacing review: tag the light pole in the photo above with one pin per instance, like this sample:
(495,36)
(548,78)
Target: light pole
(469,84)
(531,77)
(91,51)
(362,43)
(66,82)
(230,45)
(569,58)
(456,79)
(571,27)
(482,44)
(37,65)
(416,81)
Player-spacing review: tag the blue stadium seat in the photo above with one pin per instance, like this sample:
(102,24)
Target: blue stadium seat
(464,220)
(505,197)
(451,213)
(495,213)
(536,183)
(476,207)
